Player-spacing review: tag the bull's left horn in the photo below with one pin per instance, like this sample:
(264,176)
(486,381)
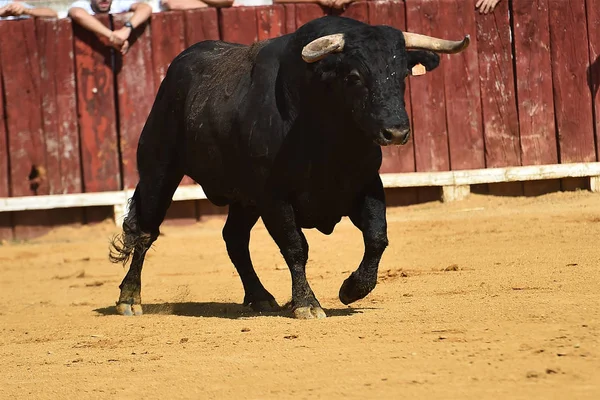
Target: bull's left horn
(423,42)
(321,47)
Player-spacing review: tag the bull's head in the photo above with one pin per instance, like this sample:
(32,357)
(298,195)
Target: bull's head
(366,69)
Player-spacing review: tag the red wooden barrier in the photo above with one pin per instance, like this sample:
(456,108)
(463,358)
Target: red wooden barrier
(21,75)
(136,92)
(572,98)
(534,89)
(358,11)
(238,25)
(59,99)
(593,23)
(290,17)
(461,83)
(97,116)
(59,110)
(96,108)
(6,232)
(201,24)
(271,21)
(307,12)
(498,101)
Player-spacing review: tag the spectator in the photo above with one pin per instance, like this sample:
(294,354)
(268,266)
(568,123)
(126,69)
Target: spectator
(191,4)
(19,9)
(486,6)
(82,12)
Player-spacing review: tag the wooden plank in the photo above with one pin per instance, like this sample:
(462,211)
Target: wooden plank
(572,98)
(21,75)
(168,40)
(6,230)
(59,105)
(135,96)
(26,145)
(201,24)
(498,100)
(461,84)
(59,112)
(533,75)
(307,12)
(290,18)
(96,110)
(270,21)
(238,25)
(427,96)
(593,24)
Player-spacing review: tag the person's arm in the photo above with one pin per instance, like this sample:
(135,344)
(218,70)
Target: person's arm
(193,4)
(141,14)
(18,9)
(89,22)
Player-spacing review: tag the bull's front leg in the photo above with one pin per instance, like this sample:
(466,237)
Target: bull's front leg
(369,217)
(279,219)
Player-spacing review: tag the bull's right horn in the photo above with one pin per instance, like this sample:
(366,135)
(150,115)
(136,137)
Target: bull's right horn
(321,47)
(423,42)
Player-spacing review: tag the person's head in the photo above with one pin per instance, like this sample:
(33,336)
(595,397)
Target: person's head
(101,6)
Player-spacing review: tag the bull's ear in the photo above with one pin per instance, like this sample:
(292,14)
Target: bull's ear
(427,59)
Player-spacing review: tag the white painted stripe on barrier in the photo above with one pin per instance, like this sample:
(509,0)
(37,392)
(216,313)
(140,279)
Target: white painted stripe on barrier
(400,180)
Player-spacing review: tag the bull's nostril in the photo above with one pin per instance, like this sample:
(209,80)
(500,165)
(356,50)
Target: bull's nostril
(387,134)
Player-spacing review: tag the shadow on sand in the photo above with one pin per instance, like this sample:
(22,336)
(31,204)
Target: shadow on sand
(221,310)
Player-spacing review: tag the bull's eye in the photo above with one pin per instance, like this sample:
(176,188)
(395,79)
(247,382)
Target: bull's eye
(354,78)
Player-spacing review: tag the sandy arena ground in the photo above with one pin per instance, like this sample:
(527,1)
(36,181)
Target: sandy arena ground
(485,298)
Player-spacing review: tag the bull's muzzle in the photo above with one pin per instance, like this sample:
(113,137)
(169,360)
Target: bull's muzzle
(391,136)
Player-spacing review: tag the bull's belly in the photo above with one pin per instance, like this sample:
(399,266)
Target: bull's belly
(321,212)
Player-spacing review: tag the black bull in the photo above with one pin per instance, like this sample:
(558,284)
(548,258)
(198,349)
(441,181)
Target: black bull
(288,130)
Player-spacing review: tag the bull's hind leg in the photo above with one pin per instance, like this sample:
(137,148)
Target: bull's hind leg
(236,234)
(147,210)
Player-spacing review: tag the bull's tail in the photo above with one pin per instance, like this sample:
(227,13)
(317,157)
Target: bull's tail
(132,238)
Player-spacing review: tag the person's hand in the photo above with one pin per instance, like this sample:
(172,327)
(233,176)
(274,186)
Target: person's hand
(125,47)
(13,10)
(121,35)
(341,3)
(486,6)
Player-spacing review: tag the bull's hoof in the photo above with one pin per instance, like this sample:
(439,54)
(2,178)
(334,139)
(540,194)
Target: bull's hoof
(265,306)
(129,309)
(309,312)
(354,289)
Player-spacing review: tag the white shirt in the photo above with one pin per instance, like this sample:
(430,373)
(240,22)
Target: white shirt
(117,6)
(4,3)
(251,3)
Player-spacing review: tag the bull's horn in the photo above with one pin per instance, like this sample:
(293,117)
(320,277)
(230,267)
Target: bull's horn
(321,47)
(416,41)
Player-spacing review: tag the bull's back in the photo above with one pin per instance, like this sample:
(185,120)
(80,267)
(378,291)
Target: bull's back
(210,81)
